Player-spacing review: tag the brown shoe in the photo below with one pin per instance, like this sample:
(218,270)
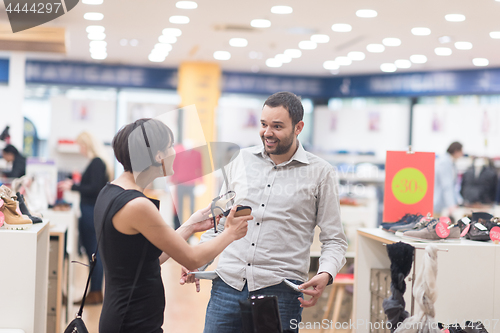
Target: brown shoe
(93,298)
(14,220)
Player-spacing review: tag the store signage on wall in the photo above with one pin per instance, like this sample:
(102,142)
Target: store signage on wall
(4,70)
(409,184)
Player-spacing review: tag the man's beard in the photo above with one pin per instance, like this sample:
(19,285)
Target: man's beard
(282,147)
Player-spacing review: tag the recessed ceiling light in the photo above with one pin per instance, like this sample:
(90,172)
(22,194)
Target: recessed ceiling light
(134,42)
(444,39)
(97,49)
(366,13)
(271,62)
(159,53)
(179,19)
(255,69)
(495,34)
(391,41)
(260,23)
(418,59)
(222,55)
(330,65)
(172,32)
(97,36)
(443,51)
(238,42)
(341,27)
(92,2)
(283,58)
(281,10)
(123,42)
(98,44)
(156,57)
(455,18)
(463,45)
(293,53)
(480,62)
(307,45)
(99,56)
(388,68)
(357,56)
(343,61)
(94,28)
(186,5)
(320,38)
(93,16)
(375,48)
(163,47)
(420,31)
(403,63)
(167,39)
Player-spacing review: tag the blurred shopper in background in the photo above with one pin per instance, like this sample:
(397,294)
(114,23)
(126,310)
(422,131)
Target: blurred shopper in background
(94,178)
(11,154)
(446,196)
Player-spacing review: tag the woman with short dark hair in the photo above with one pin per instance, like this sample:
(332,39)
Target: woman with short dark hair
(11,154)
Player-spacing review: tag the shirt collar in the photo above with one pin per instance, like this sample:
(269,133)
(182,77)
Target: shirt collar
(300,155)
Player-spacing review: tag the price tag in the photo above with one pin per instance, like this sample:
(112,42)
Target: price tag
(495,234)
(466,220)
(480,226)
(466,230)
(409,186)
(442,230)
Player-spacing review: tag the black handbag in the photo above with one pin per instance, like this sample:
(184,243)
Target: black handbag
(261,314)
(77,325)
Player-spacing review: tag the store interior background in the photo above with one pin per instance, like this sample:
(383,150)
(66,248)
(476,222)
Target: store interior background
(350,122)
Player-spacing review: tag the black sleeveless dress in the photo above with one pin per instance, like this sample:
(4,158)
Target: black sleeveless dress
(121,255)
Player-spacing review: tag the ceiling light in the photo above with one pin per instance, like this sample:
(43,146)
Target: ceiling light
(97,50)
(283,58)
(281,10)
(222,55)
(92,2)
(93,16)
(320,38)
(366,13)
(356,56)
(179,19)
(388,68)
(159,53)
(163,47)
(421,31)
(341,27)
(418,59)
(481,62)
(293,53)
(391,41)
(186,5)
(330,65)
(495,34)
(134,42)
(443,51)
(99,56)
(307,45)
(255,69)
(463,45)
(238,42)
(94,28)
(98,44)
(123,42)
(343,61)
(167,39)
(271,62)
(375,48)
(97,36)
(403,63)
(455,18)
(444,39)
(172,32)
(156,58)
(259,23)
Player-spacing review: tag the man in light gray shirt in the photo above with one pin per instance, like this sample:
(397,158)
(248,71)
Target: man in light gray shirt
(291,191)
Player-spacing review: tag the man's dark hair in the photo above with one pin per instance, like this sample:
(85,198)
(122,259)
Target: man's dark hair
(158,135)
(11,149)
(454,147)
(290,102)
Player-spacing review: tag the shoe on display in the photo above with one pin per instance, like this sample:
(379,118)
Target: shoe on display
(14,220)
(405,220)
(24,209)
(494,222)
(417,222)
(8,192)
(455,328)
(478,231)
(93,298)
(481,215)
(476,327)
(429,234)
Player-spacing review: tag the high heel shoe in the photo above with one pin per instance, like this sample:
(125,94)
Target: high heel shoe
(14,220)
(24,209)
(220,203)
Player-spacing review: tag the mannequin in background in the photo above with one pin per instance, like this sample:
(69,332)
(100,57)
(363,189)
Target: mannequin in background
(95,177)
(479,183)
(446,196)
(11,154)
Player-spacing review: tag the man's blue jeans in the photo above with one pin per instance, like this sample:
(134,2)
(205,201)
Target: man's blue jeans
(223,311)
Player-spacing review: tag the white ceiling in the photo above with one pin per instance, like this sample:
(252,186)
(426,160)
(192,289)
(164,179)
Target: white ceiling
(144,20)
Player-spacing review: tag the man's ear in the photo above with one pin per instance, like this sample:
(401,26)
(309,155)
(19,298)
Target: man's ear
(299,127)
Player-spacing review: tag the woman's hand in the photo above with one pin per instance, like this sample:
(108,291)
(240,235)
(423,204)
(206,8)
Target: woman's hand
(201,220)
(237,226)
(65,185)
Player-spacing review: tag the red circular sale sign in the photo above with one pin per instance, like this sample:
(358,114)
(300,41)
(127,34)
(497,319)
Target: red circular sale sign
(442,230)
(495,234)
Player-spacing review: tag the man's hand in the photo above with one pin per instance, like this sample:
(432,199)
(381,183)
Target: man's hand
(319,283)
(185,278)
